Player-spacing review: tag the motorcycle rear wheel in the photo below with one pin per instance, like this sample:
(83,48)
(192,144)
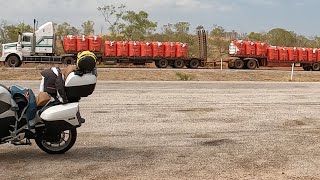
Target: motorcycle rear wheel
(67,140)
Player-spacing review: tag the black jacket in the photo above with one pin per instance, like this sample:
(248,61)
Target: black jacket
(54,84)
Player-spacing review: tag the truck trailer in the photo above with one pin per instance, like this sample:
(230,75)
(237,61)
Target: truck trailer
(39,47)
(252,55)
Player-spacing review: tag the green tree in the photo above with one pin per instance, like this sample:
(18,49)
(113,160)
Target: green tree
(218,45)
(281,37)
(137,26)
(10,33)
(218,32)
(88,27)
(65,29)
(113,16)
(253,36)
(182,27)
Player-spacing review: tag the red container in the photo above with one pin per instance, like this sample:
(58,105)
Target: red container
(182,50)
(170,49)
(283,54)
(146,49)
(250,48)
(302,54)
(122,48)
(261,49)
(95,43)
(293,54)
(110,48)
(241,48)
(69,43)
(318,54)
(82,43)
(312,54)
(134,48)
(273,54)
(157,49)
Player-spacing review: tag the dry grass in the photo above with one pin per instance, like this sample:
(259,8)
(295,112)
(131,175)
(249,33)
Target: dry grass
(144,74)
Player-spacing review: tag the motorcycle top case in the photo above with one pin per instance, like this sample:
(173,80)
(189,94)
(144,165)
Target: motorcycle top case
(80,86)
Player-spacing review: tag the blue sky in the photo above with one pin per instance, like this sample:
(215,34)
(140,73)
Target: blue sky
(240,15)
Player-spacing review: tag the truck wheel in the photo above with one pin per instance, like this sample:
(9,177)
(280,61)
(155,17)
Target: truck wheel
(194,64)
(156,63)
(179,63)
(68,60)
(239,64)
(307,68)
(316,67)
(252,64)
(14,61)
(163,63)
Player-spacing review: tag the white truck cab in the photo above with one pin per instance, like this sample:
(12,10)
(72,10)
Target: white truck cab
(40,42)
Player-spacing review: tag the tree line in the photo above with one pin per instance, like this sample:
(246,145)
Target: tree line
(124,24)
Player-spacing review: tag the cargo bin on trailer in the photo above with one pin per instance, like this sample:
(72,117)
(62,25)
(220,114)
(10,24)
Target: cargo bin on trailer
(273,53)
(69,43)
(169,49)
(182,50)
(122,48)
(146,49)
(261,49)
(157,49)
(110,48)
(95,43)
(283,54)
(302,54)
(82,43)
(134,48)
(250,48)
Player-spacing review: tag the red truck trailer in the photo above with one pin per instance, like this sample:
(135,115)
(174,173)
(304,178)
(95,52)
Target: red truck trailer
(162,54)
(252,55)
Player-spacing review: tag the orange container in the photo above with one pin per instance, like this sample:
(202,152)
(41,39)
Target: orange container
(250,48)
(122,48)
(170,49)
(293,54)
(312,54)
(146,49)
(283,54)
(182,50)
(82,43)
(95,43)
(134,48)
(273,54)
(302,54)
(157,49)
(69,43)
(110,48)
(261,49)
(241,47)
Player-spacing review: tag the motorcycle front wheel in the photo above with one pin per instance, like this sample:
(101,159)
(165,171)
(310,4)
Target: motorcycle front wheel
(64,142)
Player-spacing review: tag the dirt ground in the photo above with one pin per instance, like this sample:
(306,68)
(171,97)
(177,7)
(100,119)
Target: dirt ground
(184,130)
(154,74)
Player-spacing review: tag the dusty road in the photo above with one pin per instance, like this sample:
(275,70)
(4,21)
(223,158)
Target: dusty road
(185,130)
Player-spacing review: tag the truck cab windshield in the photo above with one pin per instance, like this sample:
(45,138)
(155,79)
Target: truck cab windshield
(26,39)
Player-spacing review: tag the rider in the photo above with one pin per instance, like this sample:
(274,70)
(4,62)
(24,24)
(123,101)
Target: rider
(53,79)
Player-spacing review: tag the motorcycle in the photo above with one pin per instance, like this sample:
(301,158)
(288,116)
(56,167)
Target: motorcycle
(54,126)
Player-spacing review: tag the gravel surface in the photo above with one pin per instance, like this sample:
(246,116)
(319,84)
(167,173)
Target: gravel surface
(184,130)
